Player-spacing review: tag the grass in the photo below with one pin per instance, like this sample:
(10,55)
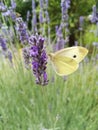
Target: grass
(70,104)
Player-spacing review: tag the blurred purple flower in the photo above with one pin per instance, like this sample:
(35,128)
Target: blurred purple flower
(3,8)
(59,31)
(76,43)
(26,56)
(6,14)
(60,40)
(22,30)
(4,29)
(13,4)
(94,16)
(47,17)
(65,5)
(0,24)
(33,5)
(46,3)
(34,18)
(34,22)
(95,44)
(10,13)
(59,44)
(41,19)
(6,52)
(28,15)
(41,3)
(39,59)
(81,20)
(9,55)
(3,43)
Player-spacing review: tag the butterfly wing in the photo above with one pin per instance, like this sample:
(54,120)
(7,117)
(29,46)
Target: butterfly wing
(64,65)
(77,53)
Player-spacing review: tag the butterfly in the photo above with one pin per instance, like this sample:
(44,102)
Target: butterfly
(66,61)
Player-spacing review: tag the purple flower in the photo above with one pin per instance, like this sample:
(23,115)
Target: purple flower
(41,3)
(59,31)
(6,52)
(6,14)
(28,15)
(65,4)
(34,18)
(60,40)
(34,22)
(34,51)
(32,40)
(33,5)
(35,66)
(9,55)
(94,16)
(46,3)
(3,43)
(22,30)
(26,56)
(12,15)
(41,19)
(3,8)
(81,20)
(47,16)
(39,59)
(13,4)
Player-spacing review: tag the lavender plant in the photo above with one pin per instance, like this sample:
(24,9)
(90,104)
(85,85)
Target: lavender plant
(5,51)
(22,30)
(62,31)
(81,20)
(94,16)
(39,59)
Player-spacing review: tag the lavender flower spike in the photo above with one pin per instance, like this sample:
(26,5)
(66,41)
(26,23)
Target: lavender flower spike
(26,56)
(3,43)
(39,59)
(22,30)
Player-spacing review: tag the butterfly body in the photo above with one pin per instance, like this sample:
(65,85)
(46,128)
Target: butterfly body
(66,61)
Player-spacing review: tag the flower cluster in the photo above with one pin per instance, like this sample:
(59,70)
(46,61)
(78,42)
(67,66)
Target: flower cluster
(94,16)
(22,30)
(65,4)
(8,11)
(6,52)
(26,57)
(39,59)
(3,8)
(81,20)
(3,43)
(60,40)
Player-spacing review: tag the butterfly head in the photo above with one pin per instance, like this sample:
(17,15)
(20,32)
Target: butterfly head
(51,56)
